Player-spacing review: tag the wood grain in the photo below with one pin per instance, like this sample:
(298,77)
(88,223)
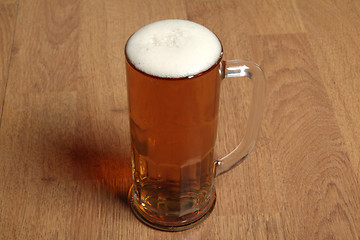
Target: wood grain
(64,133)
(338,64)
(8,10)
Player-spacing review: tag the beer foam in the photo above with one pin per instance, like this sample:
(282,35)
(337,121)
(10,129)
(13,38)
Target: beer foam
(173,48)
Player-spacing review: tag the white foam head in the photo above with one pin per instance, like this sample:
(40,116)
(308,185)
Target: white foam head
(173,49)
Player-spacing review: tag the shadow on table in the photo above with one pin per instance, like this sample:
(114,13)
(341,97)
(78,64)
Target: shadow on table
(108,169)
(77,146)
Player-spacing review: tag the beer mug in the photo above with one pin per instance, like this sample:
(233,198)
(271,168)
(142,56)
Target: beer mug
(174,71)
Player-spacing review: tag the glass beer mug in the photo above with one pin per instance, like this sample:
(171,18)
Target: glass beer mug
(174,70)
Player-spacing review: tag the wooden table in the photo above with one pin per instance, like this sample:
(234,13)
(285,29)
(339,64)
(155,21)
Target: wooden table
(64,135)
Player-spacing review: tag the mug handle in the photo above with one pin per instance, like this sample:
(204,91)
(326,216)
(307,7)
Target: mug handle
(252,71)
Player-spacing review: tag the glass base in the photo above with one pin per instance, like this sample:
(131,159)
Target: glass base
(171,226)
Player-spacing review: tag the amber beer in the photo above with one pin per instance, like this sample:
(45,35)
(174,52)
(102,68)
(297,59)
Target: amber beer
(173,109)
(173,129)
